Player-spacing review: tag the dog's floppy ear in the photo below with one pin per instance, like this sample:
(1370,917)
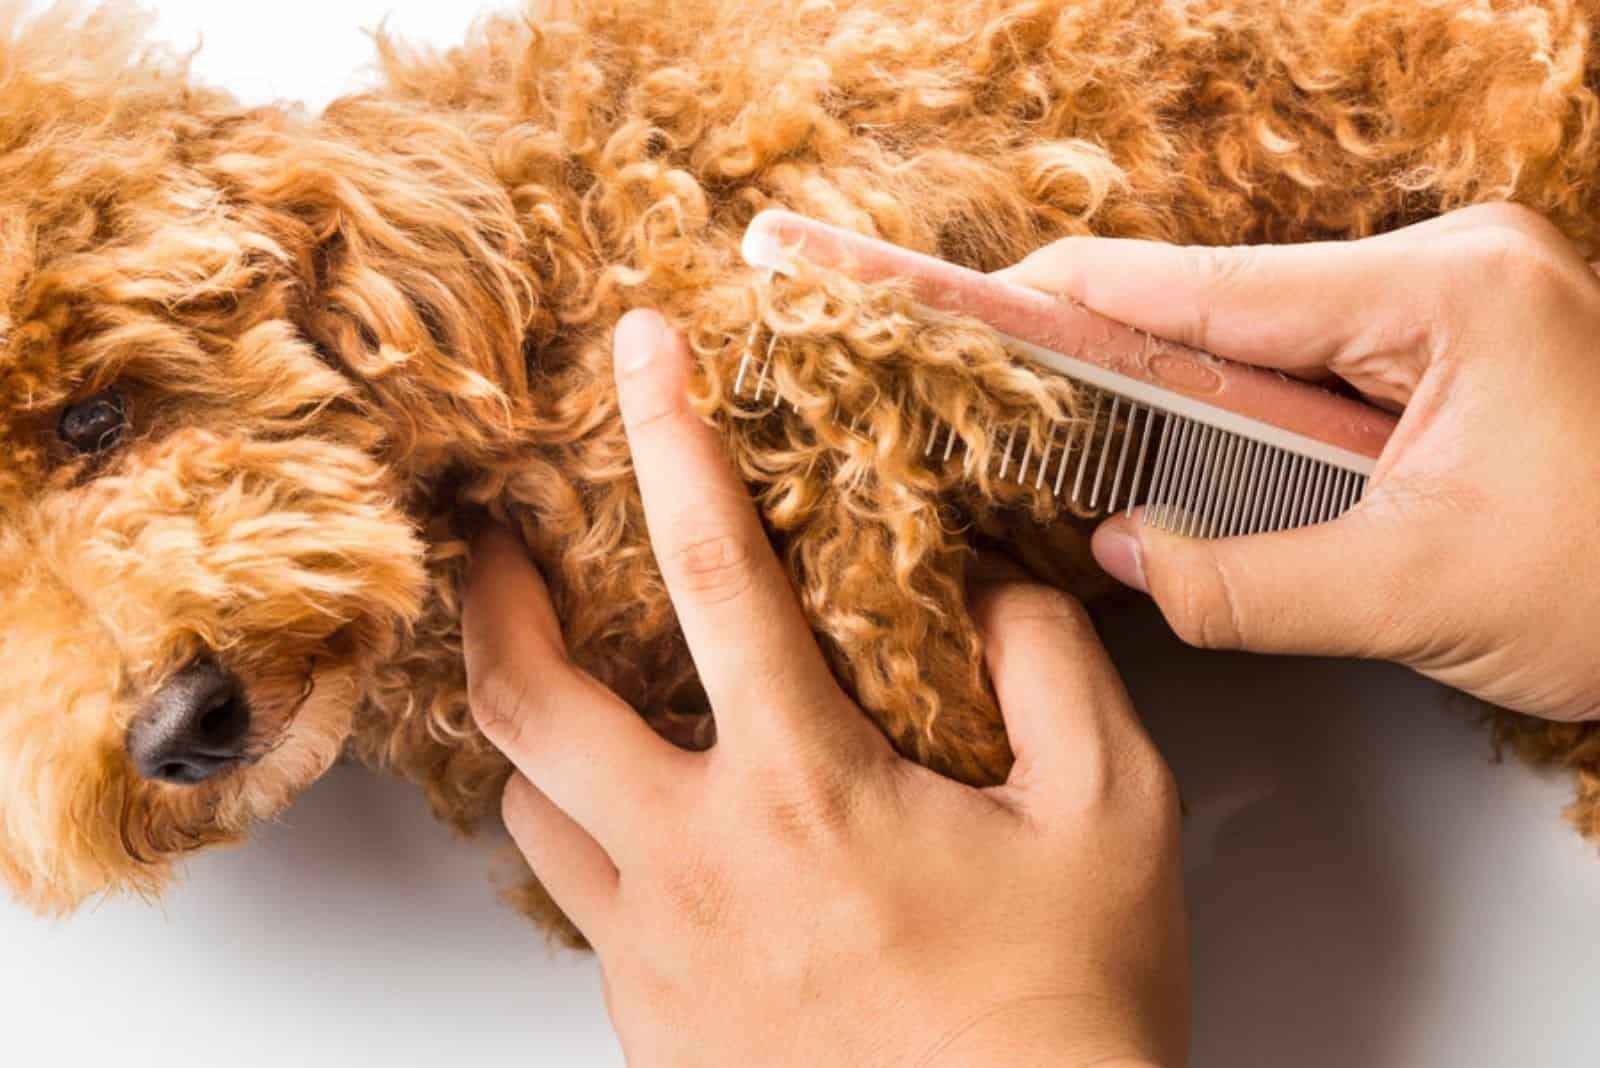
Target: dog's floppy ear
(410,270)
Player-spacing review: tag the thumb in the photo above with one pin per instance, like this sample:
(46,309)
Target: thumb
(1324,590)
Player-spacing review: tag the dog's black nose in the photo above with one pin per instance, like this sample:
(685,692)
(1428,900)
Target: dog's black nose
(192,728)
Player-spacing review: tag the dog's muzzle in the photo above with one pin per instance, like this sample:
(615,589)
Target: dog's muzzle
(196,726)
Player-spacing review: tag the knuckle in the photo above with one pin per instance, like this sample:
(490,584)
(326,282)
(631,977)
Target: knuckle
(1215,265)
(1156,786)
(1512,245)
(1215,271)
(1127,785)
(714,567)
(697,891)
(1201,608)
(653,413)
(808,803)
(497,696)
(1151,814)
(1505,215)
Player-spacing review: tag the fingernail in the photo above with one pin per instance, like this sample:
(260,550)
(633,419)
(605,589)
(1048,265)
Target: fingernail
(1121,556)
(640,335)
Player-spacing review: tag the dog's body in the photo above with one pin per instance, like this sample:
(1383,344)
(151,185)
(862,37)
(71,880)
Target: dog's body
(261,373)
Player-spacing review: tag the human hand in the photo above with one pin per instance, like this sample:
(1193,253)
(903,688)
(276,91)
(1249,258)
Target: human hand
(1472,557)
(799,894)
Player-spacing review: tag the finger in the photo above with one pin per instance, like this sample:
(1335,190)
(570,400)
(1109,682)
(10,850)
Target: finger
(746,632)
(576,872)
(1309,310)
(1069,718)
(574,739)
(1335,589)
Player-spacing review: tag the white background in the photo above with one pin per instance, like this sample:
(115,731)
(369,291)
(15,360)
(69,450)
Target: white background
(1367,888)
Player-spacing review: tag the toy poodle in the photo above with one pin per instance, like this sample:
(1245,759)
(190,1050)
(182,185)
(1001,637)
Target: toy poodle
(263,373)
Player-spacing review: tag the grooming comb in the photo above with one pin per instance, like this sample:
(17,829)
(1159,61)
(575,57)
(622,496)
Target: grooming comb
(1208,447)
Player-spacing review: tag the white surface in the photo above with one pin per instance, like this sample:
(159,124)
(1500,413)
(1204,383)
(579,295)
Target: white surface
(1367,888)
(354,932)
(304,50)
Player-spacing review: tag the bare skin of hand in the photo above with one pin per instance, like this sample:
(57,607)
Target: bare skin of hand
(799,894)
(1472,558)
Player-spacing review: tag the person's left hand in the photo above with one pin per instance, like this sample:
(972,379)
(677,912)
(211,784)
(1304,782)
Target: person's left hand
(800,894)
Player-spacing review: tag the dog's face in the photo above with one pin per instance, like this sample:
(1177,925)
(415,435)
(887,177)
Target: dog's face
(186,606)
(199,549)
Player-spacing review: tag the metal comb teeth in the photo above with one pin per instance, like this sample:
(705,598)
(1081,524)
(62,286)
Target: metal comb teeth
(1190,477)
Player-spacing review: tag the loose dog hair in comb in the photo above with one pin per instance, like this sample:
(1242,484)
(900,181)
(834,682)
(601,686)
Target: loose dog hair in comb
(1208,447)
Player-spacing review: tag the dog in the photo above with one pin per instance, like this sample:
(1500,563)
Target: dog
(262,373)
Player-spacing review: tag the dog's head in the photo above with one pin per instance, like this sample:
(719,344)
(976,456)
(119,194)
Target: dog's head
(209,318)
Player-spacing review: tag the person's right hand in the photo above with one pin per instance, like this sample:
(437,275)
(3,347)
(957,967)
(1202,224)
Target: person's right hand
(1475,556)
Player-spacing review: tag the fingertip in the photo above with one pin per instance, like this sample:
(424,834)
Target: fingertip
(989,577)
(1058,692)
(497,556)
(643,337)
(506,594)
(1118,547)
(1020,618)
(651,363)
(496,541)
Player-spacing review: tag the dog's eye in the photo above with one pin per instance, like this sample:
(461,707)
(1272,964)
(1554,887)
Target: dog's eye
(95,423)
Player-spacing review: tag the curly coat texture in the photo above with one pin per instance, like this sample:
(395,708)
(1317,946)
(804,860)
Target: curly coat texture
(345,339)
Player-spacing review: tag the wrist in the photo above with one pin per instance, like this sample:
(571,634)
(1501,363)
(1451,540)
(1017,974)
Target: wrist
(1044,1029)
